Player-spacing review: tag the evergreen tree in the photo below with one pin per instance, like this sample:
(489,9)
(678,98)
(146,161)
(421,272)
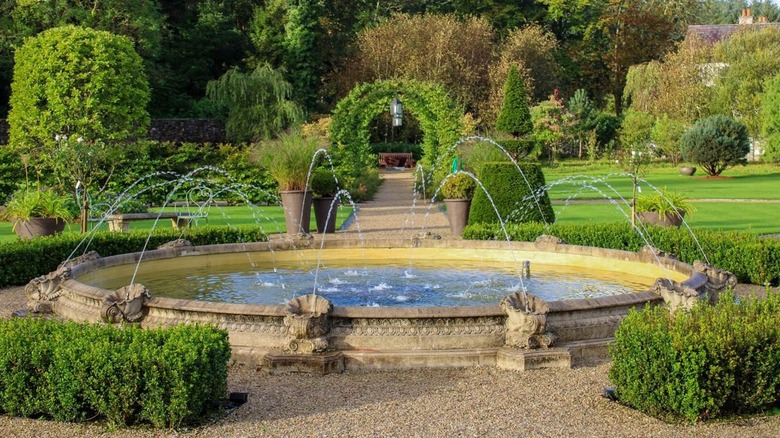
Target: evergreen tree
(515,116)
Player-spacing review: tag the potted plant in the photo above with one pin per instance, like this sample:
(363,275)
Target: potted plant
(38,211)
(288,159)
(325,185)
(457,190)
(664,208)
(687,170)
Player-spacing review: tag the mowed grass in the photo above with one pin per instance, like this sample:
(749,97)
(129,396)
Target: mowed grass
(754,181)
(268,218)
(728,203)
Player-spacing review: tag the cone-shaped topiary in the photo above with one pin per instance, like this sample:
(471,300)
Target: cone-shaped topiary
(515,116)
(513,197)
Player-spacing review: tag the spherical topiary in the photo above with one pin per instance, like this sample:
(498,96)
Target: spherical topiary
(458,186)
(78,82)
(515,199)
(716,143)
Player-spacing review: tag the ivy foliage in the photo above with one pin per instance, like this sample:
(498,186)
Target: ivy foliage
(77,82)
(438,115)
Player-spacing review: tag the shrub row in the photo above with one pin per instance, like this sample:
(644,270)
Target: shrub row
(24,260)
(74,372)
(703,364)
(750,258)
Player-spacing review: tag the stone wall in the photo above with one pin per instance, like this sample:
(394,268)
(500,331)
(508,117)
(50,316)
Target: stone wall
(177,130)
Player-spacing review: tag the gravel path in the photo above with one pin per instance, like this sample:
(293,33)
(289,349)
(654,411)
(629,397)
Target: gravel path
(481,401)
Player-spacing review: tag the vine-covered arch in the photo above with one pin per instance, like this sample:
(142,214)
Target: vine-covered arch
(439,117)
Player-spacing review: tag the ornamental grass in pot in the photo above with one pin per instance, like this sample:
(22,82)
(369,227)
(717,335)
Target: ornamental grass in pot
(664,208)
(288,160)
(38,211)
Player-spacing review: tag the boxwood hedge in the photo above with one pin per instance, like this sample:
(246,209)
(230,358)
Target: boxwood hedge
(76,372)
(752,259)
(517,199)
(24,260)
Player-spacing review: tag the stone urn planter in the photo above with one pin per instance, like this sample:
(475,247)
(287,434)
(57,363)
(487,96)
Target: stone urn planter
(687,170)
(322,208)
(38,226)
(457,214)
(297,211)
(662,220)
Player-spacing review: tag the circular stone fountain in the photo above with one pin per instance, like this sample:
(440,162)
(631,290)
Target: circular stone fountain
(309,333)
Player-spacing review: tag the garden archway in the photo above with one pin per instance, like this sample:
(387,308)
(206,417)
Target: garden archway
(439,117)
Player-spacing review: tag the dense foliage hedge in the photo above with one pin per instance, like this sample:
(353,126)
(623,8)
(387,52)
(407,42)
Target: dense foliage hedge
(517,199)
(703,364)
(751,259)
(25,260)
(75,372)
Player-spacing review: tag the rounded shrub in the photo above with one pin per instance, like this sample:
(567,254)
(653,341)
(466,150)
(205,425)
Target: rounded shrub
(716,143)
(518,197)
(458,186)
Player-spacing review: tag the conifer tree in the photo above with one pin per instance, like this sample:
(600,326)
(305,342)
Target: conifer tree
(515,116)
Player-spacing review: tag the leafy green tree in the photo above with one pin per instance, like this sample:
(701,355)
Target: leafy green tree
(301,59)
(636,130)
(258,104)
(80,84)
(515,116)
(552,124)
(666,135)
(267,32)
(748,58)
(716,143)
(770,118)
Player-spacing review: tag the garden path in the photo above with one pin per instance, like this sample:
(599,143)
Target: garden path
(396,212)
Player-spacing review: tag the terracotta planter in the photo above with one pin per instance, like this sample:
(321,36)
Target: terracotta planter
(321,210)
(297,211)
(688,170)
(458,214)
(666,220)
(38,226)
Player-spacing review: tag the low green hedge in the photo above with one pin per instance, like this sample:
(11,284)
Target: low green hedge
(76,372)
(750,258)
(26,259)
(511,193)
(703,364)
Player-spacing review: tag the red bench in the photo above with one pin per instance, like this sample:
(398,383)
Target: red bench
(396,159)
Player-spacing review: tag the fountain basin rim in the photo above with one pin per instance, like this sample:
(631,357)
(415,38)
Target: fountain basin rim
(385,312)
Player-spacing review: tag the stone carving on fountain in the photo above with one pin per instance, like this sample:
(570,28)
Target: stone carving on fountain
(656,252)
(548,240)
(126,304)
(526,322)
(706,283)
(308,323)
(178,243)
(43,291)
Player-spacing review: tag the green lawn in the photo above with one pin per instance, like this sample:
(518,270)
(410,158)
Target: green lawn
(270,218)
(600,181)
(755,181)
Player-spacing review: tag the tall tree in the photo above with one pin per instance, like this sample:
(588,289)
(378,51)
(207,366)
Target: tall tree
(770,118)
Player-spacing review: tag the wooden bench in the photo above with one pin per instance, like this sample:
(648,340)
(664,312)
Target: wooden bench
(396,159)
(121,222)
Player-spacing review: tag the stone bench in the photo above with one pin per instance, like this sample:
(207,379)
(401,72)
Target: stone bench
(396,159)
(121,222)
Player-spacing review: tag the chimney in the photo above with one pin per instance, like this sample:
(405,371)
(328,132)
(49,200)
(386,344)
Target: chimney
(746,17)
(762,20)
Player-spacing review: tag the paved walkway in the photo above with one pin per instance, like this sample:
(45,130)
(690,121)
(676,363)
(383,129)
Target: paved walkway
(397,210)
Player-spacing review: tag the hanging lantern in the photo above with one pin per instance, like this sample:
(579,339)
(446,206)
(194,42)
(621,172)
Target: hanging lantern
(396,111)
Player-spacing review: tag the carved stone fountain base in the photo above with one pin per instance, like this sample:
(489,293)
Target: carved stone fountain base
(319,363)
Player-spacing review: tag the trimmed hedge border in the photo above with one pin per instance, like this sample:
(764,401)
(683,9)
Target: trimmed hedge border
(706,363)
(71,371)
(752,259)
(24,260)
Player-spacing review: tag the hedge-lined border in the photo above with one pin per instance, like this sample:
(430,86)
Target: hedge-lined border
(752,259)
(25,260)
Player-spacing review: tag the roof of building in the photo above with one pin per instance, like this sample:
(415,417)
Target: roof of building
(718,32)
